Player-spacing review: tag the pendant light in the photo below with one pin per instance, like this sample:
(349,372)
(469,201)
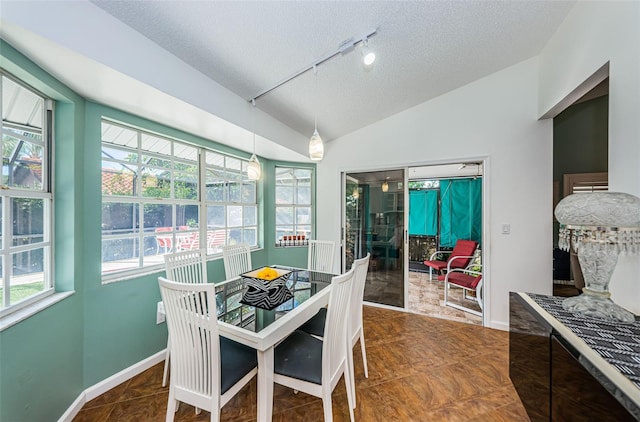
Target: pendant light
(253,170)
(316,148)
(385,185)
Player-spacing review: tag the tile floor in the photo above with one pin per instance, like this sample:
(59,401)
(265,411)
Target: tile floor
(427,297)
(420,369)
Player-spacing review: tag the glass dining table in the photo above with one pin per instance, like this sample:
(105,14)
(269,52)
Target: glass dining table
(262,329)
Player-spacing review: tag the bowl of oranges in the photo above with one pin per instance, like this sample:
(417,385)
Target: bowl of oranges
(267,276)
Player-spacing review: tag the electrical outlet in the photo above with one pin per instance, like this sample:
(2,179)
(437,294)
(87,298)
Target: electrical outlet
(160,315)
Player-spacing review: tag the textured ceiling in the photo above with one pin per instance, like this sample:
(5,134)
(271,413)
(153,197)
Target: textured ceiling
(424,48)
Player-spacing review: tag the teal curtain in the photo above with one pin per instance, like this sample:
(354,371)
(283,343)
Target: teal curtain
(461,210)
(423,212)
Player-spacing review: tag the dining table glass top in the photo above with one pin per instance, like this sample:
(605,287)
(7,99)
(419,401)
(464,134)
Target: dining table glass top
(233,308)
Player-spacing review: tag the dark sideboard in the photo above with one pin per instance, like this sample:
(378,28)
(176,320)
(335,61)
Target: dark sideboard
(569,368)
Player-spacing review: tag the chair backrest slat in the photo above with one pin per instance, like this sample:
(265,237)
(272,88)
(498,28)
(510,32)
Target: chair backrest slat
(195,346)
(187,267)
(361,268)
(237,260)
(334,347)
(321,255)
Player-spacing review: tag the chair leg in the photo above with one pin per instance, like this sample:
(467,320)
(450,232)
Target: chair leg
(350,379)
(349,385)
(215,415)
(364,355)
(326,406)
(165,374)
(172,407)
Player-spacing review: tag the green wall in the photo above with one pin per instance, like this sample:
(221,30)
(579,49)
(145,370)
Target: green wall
(40,358)
(580,142)
(580,139)
(47,360)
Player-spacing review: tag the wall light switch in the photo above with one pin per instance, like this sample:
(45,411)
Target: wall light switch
(506,229)
(160,314)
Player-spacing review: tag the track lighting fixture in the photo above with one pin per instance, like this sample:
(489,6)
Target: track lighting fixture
(368,56)
(316,148)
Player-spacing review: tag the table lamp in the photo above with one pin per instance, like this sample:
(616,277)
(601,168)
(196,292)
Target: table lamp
(599,226)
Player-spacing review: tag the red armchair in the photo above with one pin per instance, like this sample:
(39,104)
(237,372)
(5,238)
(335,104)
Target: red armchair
(467,280)
(460,257)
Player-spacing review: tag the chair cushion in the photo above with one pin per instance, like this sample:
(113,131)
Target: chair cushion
(436,265)
(236,361)
(299,356)
(315,324)
(463,248)
(464,280)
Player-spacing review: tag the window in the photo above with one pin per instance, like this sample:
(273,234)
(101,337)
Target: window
(152,199)
(231,199)
(25,196)
(293,202)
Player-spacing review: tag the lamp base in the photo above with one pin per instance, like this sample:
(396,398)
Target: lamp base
(597,306)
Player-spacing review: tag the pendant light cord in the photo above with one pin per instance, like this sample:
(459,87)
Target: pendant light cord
(253,124)
(315,71)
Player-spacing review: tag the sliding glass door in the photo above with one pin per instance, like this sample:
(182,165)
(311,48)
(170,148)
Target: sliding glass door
(374,222)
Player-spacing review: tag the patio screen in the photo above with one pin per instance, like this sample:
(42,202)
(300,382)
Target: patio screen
(423,215)
(460,210)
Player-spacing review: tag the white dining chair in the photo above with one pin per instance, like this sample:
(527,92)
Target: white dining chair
(320,257)
(305,363)
(206,370)
(316,324)
(237,260)
(183,267)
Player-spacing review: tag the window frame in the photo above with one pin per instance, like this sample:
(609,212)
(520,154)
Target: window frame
(279,242)
(139,200)
(7,194)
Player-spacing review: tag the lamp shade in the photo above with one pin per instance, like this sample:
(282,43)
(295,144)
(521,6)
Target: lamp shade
(598,227)
(385,186)
(253,169)
(316,148)
(605,209)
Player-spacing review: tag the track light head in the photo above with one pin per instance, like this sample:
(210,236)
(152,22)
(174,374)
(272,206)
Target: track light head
(368,56)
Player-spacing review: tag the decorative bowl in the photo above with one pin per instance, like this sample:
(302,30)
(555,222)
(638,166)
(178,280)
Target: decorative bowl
(264,293)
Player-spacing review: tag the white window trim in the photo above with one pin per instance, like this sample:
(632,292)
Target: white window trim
(295,205)
(38,301)
(201,202)
(24,312)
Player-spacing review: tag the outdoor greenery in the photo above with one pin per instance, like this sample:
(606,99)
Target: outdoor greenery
(22,291)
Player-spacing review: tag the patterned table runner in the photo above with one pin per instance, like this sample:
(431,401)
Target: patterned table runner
(617,343)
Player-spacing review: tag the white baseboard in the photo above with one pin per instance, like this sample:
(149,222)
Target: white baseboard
(107,384)
(74,409)
(499,325)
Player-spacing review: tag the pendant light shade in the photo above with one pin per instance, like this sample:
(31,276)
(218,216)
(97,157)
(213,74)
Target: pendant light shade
(316,148)
(253,170)
(385,185)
